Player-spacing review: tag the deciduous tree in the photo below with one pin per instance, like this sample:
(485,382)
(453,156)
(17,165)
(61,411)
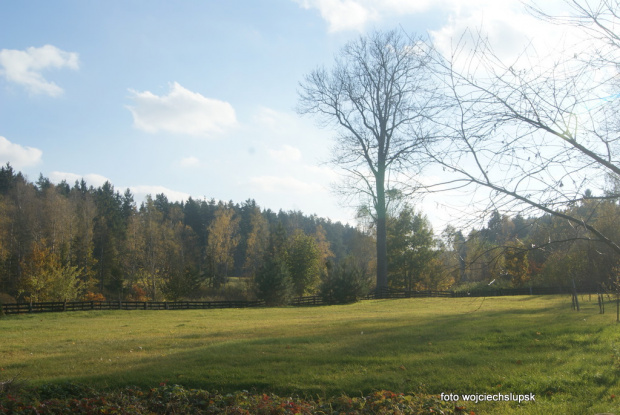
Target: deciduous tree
(45,278)
(304,263)
(410,249)
(222,241)
(378,96)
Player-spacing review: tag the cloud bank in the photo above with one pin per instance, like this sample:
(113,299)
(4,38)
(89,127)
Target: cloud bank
(139,192)
(95,180)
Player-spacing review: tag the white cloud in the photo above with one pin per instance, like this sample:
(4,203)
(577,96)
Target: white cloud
(355,14)
(95,180)
(189,162)
(140,192)
(506,22)
(507,25)
(341,14)
(286,155)
(181,111)
(25,67)
(17,155)
(287,185)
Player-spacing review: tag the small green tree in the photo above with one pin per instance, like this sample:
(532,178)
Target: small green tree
(345,283)
(303,258)
(273,282)
(410,250)
(257,242)
(181,283)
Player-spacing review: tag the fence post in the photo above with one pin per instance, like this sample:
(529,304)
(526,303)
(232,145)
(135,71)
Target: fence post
(575,297)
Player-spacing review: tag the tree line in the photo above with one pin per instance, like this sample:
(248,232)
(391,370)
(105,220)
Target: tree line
(62,242)
(542,251)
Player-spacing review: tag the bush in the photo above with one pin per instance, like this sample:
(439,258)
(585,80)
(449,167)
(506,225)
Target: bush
(345,283)
(91,296)
(273,282)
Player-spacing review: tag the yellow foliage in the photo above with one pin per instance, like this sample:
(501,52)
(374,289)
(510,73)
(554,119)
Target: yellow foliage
(45,278)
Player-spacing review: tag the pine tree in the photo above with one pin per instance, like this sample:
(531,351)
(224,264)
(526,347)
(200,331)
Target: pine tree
(304,262)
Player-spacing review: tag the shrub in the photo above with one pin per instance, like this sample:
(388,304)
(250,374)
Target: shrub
(91,296)
(137,293)
(345,283)
(273,282)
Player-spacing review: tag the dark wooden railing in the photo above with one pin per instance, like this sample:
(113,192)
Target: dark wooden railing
(315,300)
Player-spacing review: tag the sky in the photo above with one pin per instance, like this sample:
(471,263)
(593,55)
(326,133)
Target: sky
(197,98)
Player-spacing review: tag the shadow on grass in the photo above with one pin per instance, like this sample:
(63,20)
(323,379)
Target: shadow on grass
(458,352)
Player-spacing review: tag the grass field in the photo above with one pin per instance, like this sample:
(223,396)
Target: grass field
(521,345)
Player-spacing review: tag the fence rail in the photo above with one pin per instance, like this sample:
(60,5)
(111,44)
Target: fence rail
(59,306)
(46,307)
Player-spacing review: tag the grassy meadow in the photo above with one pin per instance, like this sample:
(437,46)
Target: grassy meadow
(569,360)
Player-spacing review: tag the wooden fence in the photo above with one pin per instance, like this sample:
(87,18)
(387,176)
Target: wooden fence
(45,307)
(58,306)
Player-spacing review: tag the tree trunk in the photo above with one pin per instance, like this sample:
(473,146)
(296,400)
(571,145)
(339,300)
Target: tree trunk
(382,266)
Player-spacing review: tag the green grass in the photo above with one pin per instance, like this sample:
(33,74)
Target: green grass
(569,360)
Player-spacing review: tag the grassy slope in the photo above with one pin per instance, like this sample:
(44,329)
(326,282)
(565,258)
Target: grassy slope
(570,360)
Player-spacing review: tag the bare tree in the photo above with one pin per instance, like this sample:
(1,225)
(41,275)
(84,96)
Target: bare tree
(377,97)
(538,133)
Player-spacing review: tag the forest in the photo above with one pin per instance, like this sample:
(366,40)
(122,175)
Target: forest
(62,242)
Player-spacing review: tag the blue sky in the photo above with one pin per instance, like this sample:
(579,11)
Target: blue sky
(197,98)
